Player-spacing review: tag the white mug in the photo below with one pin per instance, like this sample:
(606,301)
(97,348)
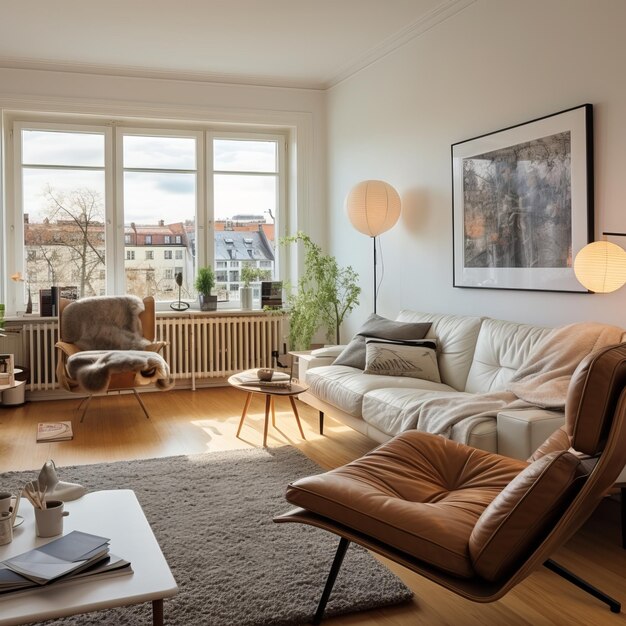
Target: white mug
(49,521)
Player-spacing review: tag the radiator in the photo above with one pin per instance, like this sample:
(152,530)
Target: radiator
(216,347)
(40,354)
(197,348)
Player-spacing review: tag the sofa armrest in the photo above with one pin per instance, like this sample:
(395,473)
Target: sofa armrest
(522,431)
(309,361)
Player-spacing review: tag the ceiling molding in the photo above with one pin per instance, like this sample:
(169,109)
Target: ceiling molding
(125,71)
(437,15)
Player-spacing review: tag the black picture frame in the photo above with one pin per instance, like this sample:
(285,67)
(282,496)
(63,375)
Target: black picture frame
(522,204)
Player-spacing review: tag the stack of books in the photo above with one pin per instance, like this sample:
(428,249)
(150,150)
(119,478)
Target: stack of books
(74,556)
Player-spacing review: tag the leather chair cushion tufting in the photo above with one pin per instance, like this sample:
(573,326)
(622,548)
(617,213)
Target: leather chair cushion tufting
(421,494)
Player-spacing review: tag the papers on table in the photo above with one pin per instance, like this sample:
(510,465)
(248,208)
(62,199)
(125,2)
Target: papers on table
(73,556)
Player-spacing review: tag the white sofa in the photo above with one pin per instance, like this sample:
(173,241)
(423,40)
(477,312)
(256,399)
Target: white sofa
(475,355)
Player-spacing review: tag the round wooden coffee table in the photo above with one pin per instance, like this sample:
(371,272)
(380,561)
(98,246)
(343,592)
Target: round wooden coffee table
(270,393)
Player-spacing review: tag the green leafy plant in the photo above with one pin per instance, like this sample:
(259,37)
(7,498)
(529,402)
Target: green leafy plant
(205,280)
(251,274)
(324,295)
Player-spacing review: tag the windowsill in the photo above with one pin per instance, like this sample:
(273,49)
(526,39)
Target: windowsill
(36,318)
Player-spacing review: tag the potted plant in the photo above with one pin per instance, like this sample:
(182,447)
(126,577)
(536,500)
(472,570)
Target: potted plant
(249,275)
(324,295)
(205,281)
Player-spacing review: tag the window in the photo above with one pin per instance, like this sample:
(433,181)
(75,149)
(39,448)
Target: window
(86,197)
(169,274)
(62,196)
(178,270)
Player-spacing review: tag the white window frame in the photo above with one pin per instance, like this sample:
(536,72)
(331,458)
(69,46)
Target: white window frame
(280,218)
(15,213)
(113,129)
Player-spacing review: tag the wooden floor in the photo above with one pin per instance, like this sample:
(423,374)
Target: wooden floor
(186,422)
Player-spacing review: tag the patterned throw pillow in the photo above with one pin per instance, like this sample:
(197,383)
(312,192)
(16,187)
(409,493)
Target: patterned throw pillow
(380,327)
(415,359)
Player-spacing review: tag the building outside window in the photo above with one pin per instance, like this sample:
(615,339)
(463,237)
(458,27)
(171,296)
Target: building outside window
(68,176)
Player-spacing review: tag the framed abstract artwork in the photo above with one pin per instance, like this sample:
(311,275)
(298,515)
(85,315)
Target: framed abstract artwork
(523,203)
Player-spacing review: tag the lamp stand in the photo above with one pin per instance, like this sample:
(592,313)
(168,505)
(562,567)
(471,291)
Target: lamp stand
(375,275)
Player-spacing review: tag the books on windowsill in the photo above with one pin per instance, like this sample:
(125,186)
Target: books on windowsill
(54,431)
(75,556)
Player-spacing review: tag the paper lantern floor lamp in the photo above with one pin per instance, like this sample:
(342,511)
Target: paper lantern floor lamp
(373,207)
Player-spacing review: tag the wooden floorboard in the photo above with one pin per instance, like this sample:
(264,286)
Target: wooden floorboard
(189,422)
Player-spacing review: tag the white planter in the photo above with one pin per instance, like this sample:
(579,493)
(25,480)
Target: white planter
(245,295)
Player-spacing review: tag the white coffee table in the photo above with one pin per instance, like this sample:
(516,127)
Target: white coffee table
(113,514)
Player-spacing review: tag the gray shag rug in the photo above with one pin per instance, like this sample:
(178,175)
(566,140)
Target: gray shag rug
(251,571)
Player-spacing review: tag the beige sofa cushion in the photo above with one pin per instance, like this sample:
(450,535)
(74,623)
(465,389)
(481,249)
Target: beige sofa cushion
(394,410)
(456,337)
(501,349)
(345,387)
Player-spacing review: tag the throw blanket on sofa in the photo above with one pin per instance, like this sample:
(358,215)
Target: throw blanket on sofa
(542,381)
(109,333)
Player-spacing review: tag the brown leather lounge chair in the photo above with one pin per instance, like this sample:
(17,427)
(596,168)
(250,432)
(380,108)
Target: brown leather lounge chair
(476,522)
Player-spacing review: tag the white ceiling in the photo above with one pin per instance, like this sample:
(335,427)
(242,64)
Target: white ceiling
(292,43)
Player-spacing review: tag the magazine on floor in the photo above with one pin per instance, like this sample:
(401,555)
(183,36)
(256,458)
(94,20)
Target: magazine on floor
(54,431)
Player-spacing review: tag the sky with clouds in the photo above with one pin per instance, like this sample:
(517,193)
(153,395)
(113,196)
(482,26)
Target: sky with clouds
(167,191)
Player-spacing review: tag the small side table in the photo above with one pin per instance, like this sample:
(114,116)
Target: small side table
(270,393)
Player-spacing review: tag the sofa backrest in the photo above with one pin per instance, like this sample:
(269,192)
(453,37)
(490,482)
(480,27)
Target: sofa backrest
(501,349)
(456,337)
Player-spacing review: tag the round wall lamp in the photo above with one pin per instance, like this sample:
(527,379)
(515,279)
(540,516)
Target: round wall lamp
(601,266)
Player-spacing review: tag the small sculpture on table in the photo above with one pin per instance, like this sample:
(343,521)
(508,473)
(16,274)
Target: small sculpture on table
(180,305)
(54,488)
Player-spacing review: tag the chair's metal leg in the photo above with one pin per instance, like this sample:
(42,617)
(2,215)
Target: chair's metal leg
(87,402)
(614,605)
(143,406)
(330,582)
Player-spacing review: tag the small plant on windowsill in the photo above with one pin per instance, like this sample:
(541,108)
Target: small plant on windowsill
(205,281)
(248,276)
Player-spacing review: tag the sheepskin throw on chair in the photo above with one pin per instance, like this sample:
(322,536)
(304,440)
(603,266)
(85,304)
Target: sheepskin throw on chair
(107,331)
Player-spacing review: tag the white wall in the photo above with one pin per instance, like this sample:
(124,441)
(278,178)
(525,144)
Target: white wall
(493,65)
(300,110)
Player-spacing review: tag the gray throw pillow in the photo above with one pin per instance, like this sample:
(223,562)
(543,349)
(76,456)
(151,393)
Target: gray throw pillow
(379,327)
